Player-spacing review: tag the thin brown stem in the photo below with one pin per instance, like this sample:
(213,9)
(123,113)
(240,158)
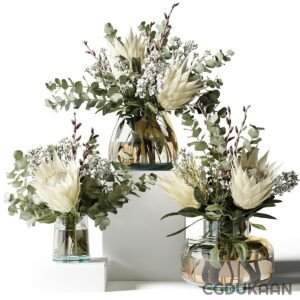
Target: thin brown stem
(167,29)
(89,148)
(241,129)
(75,138)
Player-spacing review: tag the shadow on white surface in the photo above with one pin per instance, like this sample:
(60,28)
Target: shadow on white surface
(286,272)
(118,286)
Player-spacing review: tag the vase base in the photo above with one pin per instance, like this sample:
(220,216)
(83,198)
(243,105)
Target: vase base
(151,166)
(71,259)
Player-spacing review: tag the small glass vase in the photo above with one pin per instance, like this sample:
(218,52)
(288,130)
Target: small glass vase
(144,143)
(71,239)
(201,267)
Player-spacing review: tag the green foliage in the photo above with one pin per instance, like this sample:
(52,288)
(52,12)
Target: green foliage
(68,94)
(215,257)
(99,201)
(258,226)
(130,86)
(214,207)
(261,215)
(242,249)
(218,59)
(199,196)
(100,195)
(22,201)
(182,229)
(110,31)
(217,141)
(186,212)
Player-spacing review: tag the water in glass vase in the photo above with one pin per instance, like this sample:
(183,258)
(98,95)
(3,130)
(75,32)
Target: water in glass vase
(205,273)
(216,262)
(71,239)
(144,143)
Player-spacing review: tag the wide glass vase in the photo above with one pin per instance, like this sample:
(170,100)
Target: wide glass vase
(71,239)
(227,257)
(144,143)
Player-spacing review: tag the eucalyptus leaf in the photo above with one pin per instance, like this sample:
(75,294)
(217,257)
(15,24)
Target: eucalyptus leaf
(18,155)
(108,28)
(116,97)
(253,133)
(199,68)
(214,207)
(78,87)
(200,146)
(210,63)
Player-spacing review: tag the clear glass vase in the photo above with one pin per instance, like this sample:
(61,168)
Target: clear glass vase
(202,265)
(144,143)
(71,239)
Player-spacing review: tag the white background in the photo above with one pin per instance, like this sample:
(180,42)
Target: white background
(41,40)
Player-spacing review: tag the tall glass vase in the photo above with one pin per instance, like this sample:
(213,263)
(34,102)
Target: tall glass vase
(214,261)
(71,240)
(146,143)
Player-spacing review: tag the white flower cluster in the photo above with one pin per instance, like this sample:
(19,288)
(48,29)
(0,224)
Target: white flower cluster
(36,156)
(181,51)
(120,66)
(103,61)
(126,86)
(285,182)
(151,82)
(96,167)
(64,150)
(188,167)
(102,65)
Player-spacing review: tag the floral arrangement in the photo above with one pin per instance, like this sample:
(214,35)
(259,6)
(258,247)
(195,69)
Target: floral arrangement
(68,180)
(228,181)
(142,78)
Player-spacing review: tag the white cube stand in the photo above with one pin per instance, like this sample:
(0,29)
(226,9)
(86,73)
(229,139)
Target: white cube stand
(56,277)
(136,244)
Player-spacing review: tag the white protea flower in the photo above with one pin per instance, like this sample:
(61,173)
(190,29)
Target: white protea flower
(57,185)
(133,47)
(177,89)
(252,180)
(176,188)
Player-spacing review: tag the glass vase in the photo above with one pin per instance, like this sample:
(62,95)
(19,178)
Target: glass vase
(71,239)
(144,143)
(214,261)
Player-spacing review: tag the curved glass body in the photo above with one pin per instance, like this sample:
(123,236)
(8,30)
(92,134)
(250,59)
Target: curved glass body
(144,144)
(207,267)
(71,239)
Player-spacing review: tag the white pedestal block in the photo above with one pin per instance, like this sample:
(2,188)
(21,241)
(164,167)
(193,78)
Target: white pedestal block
(53,277)
(136,244)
